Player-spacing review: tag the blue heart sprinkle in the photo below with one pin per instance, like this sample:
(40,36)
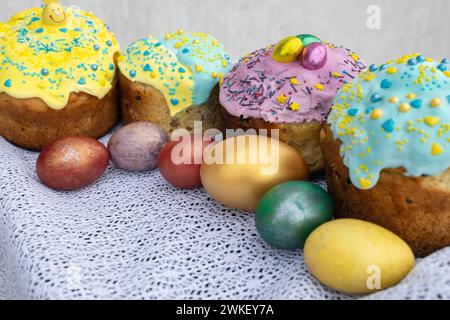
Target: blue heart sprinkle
(389,125)
(386,84)
(369,110)
(40,30)
(412,62)
(35,19)
(8,83)
(63,30)
(185,50)
(442,67)
(147,67)
(82,81)
(417,104)
(420,58)
(445,61)
(158,44)
(373,68)
(376,97)
(146,53)
(352,112)
(175,101)
(181,70)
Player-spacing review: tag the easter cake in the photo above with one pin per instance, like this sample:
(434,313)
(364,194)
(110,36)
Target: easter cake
(57,76)
(289,86)
(387,150)
(169,80)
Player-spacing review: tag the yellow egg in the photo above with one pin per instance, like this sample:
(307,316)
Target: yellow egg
(357,257)
(288,50)
(237,172)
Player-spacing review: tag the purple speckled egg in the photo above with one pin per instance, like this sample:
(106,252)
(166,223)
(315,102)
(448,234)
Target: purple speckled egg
(136,146)
(314,56)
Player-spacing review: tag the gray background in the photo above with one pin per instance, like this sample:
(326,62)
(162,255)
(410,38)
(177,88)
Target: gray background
(244,25)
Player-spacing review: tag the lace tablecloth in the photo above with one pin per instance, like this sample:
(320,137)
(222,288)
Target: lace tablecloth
(132,236)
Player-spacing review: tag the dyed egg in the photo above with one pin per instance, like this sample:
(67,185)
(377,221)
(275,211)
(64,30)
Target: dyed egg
(314,56)
(287,50)
(72,163)
(357,257)
(179,161)
(307,39)
(136,146)
(237,172)
(288,213)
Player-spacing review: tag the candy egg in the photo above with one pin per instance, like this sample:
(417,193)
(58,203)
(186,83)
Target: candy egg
(179,161)
(72,163)
(136,146)
(287,50)
(288,213)
(308,39)
(237,172)
(314,56)
(357,257)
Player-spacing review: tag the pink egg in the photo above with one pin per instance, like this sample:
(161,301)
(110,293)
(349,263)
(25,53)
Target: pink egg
(314,56)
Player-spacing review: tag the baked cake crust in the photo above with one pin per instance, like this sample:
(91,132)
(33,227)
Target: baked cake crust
(143,102)
(31,124)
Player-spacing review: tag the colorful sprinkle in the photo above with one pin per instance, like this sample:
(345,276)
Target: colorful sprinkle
(389,125)
(373,68)
(386,84)
(376,97)
(377,114)
(435,102)
(436,149)
(431,121)
(404,107)
(416,104)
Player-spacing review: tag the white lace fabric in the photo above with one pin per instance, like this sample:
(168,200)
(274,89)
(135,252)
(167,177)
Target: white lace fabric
(132,236)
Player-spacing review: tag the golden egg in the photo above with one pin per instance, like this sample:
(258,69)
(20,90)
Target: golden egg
(237,172)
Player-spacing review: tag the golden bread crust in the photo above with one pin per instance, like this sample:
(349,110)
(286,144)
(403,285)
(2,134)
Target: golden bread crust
(31,124)
(142,102)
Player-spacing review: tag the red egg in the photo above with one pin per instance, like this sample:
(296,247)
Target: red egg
(72,163)
(179,161)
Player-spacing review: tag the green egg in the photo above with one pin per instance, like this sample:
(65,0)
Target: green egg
(290,212)
(308,39)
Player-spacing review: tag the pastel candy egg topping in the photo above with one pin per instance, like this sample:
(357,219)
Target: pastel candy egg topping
(396,115)
(294,81)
